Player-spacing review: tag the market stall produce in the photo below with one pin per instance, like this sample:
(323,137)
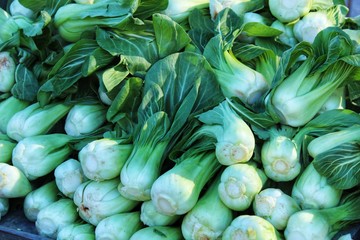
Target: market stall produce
(165,119)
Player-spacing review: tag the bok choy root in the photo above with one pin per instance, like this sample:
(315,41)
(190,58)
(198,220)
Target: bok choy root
(169,119)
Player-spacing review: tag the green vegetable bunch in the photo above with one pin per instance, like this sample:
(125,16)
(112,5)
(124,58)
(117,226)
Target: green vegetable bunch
(164,119)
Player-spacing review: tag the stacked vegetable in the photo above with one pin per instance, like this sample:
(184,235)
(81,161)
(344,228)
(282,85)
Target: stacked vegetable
(169,120)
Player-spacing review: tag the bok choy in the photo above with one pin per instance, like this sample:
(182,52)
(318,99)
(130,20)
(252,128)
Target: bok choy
(287,36)
(289,11)
(185,87)
(180,11)
(74,19)
(235,141)
(279,155)
(13,182)
(235,78)
(39,198)
(74,231)
(337,100)
(7,72)
(177,190)
(52,218)
(170,119)
(7,146)
(313,22)
(98,200)
(251,227)
(8,108)
(103,159)
(118,226)
(296,98)
(312,190)
(337,156)
(16,8)
(239,185)
(38,155)
(68,176)
(200,223)
(26,122)
(83,119)
(323,223)
(240,7)
(275,206)
(152,217)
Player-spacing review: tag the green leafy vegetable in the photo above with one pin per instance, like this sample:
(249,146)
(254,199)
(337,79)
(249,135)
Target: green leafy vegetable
(310,190)
(323,223)
(176,88)
(69,69)
(176,191)
(336,156)
(235,141)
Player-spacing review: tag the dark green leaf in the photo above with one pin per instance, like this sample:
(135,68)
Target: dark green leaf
(127,99)
(50,6)
(260,120)
(98,59)
(26,84)
(334,120)
(328,121)
(153,130)
(170,36)
(32,28)
(354,92)
(14,41)
(340,165)
(178,74)
(201,28)
(68,70)
(147,8)
(228,24)
(200,21)
(183,84)
(200,38)
(353,60)
(331,44)
(73,60)
(139,50)
(214,52)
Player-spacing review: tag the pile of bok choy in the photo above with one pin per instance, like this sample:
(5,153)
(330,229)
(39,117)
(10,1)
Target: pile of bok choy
(210,119)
